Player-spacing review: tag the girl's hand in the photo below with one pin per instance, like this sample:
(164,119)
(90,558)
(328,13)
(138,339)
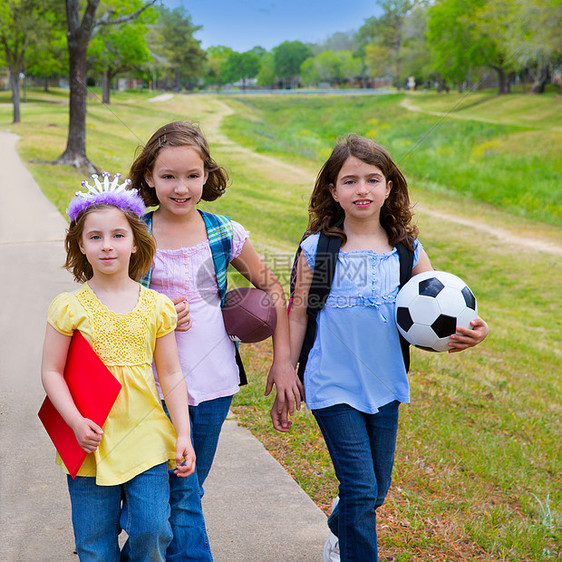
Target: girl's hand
(185,457)
(182,310)
(88,434)
(466,337)
(289,391)
(280,415)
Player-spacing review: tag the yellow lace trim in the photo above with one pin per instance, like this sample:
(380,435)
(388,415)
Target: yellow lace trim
(119,339)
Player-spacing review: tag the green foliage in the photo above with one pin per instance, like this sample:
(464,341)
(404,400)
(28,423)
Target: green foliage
(289,57)
(118,48)
(329,66)
(177,51)
(240,66)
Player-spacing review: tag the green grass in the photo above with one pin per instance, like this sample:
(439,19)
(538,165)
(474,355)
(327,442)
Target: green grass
(477,473)
(510,166)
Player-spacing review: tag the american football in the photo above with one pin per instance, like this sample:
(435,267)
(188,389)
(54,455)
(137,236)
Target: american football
(249,315)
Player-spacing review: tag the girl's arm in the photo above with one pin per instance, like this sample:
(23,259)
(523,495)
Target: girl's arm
(465,337)
(55,349)
(298,319)
(175,394)
(282,373)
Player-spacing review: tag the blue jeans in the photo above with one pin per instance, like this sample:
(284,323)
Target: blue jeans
(362,450)
(190,540)
(97,517)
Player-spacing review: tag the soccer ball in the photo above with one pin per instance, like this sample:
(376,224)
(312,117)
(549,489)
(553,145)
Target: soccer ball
(430,306)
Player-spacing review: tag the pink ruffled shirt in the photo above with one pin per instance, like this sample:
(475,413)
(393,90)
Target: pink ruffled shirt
(207,355)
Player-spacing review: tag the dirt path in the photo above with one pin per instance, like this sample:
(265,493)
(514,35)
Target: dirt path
(503,234)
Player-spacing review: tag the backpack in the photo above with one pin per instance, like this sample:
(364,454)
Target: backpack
(323,276)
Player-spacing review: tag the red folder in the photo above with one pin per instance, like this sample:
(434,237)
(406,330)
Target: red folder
(94,390)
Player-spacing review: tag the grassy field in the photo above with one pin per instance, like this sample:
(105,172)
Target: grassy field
(514,164)
(477,473)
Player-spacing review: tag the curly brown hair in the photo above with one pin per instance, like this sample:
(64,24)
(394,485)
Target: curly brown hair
(79,266)
(396,213)
(178,133)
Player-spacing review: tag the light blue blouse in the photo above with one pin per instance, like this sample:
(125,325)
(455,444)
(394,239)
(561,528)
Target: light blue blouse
(356,358)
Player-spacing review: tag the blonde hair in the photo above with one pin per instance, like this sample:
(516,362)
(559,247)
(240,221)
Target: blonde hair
(80,267)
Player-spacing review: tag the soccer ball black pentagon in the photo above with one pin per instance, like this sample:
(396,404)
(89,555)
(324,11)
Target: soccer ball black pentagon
(430,306)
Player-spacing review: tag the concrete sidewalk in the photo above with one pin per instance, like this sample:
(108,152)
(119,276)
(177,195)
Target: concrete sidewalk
(253,508)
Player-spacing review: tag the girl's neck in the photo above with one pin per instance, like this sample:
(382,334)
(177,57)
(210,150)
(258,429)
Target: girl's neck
(172,232)
(120,295)
(365,235)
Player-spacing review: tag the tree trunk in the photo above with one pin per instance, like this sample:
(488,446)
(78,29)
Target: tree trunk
(539,85)
(46,84)
(105,87)
(78,37)
(15,87)
(503,81)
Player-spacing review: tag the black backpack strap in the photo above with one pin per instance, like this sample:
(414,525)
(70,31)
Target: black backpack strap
(406,257)
(322,278)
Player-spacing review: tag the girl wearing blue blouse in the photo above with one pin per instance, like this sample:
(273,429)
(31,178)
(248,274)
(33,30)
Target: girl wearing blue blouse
(355,378)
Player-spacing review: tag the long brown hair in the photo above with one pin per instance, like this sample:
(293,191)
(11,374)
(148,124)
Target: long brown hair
(80,267)
(178,133)
(396,213)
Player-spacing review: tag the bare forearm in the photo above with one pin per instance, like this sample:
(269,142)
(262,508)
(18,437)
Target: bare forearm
(175,395)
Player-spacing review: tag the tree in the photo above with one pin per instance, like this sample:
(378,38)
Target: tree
(532,35)
(21,22)
(386,33)
(120,48)
(288,59)
(464,35)
(492,16)
(174,44)
(216,59)
(48,55)
(455,54)
(266,75)
(79,34)
(241,66)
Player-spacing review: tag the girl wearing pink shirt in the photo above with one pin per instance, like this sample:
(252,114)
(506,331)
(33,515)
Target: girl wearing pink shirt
(174,171)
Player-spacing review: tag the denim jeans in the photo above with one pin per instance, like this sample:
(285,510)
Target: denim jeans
(97,517)
(362,450)
(190,540)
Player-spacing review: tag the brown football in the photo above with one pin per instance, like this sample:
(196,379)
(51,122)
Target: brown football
(249,315)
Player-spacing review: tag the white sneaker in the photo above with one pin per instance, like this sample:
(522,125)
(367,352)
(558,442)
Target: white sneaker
(331,549)
(332,544)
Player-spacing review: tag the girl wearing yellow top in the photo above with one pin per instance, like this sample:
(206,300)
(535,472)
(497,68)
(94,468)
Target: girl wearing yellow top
(123,483)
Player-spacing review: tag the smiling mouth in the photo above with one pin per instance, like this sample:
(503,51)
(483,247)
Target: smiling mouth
(185,200)
(362,203)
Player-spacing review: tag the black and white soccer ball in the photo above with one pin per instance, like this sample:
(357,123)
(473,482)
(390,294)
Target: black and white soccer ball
(430,306)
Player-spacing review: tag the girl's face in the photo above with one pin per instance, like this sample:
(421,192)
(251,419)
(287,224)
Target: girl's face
(107,242)
(360,188)
(178,177)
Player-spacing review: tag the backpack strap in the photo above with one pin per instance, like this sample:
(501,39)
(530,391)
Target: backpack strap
(322,278)
(148,220)
(220,235)
(406,257)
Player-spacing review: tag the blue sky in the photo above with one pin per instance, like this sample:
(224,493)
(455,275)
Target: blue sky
(243,24)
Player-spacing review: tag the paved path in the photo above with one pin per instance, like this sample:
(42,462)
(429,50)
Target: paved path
(254,510)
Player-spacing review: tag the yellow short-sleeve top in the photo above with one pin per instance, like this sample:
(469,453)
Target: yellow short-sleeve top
(137,433)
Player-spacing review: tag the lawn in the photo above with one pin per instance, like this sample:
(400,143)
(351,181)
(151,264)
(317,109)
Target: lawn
(477,473)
